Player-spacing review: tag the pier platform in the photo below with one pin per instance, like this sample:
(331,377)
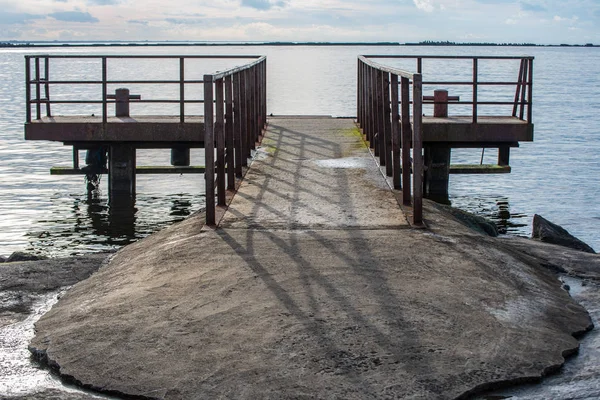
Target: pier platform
(312,284)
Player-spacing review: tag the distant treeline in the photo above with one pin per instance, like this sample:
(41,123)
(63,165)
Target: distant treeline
(447,43)
(423,43)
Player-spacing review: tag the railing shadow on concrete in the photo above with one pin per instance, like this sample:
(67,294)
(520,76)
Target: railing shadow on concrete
(381,90)
(235,114)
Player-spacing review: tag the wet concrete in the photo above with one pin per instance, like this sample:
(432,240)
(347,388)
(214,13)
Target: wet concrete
(27,291)
(579,378)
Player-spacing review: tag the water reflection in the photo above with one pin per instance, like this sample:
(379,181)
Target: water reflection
(91,222)
(495,208)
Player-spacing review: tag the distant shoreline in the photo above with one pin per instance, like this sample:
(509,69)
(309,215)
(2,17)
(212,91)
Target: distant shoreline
(20,44)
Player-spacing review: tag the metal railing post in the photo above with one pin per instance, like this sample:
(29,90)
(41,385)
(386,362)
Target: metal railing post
(182,90)
(406,140)
(244,118)
(475,73)
(47,85)
(395,131)
(387,125)
(220,136)
(38,105)
(530,93)
(28,89)
(520,82)
(229,142)
(417,149)
(209,151)
(104,92)
(237,123)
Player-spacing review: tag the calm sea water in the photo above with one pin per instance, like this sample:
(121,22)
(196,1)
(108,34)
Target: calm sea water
(557,176)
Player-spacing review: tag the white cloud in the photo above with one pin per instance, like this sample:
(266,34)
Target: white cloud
(424,5)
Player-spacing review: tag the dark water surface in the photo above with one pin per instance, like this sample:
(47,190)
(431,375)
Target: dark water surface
(557,176)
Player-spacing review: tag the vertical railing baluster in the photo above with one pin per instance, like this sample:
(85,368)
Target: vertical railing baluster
(519,87)
(38,105)
(417,149)
(47,85)
(380,149)
(104,91)
(229,142)
(253,108)
(406,140)
(28,89)
(237,123)
(220,140)
(244,118)
(475,86)
(524,90)
(358,92)
(362,96)
(395,131)
(387,126)
(530,93)
(182,90)
(209,151)
(264,83)
(372,100)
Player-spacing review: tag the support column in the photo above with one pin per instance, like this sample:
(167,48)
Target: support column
(121,179)
(437,159)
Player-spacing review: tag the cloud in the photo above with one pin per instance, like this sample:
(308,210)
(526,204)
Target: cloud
(184,21)
(262,4)
(532,7)
(102,2)
(138,22)
(558,18)
(73,16)
(424,5)
(8,18)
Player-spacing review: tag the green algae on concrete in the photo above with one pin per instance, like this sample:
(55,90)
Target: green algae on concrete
(271,306)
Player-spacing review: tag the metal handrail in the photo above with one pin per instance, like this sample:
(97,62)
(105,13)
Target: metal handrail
(389,131)
(235,114)
(523,101)
(38,82)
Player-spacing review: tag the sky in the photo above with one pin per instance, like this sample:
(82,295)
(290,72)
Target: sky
(498,21)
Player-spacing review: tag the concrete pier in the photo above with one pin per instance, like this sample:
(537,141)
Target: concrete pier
(313,285)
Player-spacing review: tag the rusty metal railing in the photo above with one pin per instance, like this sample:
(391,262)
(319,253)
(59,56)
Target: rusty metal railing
(523,98)
(388,129)
(235,113)
(38,83)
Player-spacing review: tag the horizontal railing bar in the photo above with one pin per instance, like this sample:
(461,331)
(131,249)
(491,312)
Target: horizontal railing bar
(112,82)
(220,75)
(497,83)
(395,71)
(44,101)
(450,57)
(116,56)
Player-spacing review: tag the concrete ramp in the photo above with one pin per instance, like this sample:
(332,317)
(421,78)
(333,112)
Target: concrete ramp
(314,174)
(312,287)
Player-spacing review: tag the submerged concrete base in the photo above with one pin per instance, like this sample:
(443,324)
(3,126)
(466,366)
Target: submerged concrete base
(362,311)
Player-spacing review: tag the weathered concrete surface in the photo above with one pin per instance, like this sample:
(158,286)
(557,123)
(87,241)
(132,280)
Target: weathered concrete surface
(21,283)
(27,291)
(270,306)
